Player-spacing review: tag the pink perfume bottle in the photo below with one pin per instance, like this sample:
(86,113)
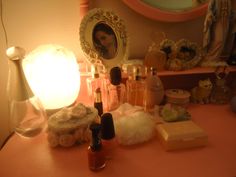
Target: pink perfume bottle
(116,89)
(135,88)
(154,90)
(96,81)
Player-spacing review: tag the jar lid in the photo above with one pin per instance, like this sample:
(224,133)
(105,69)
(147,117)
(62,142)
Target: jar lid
(177,93)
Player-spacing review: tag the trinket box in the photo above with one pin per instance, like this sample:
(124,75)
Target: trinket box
(179,135)
(177,97)
(70,125)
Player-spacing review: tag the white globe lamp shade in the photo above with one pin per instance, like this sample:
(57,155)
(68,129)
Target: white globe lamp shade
(53,75)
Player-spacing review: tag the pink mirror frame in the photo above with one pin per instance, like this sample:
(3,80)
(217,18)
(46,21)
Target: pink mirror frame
(165,16)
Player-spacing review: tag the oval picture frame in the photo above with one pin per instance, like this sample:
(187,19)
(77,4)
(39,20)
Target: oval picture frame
(105,18)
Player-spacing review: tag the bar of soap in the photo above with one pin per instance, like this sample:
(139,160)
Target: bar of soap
(179,135)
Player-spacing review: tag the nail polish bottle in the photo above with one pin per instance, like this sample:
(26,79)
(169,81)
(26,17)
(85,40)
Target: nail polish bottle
(116,89)
(108,135)
(96,156)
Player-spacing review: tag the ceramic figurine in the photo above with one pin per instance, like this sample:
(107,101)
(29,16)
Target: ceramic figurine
(216,29)
(201,93)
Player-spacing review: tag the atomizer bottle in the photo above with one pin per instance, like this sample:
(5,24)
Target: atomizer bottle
(116,89)
(154,90)
(96,156)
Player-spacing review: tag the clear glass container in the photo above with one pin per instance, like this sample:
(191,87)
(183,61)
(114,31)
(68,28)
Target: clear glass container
(27,115)
(154,90)
(135,88)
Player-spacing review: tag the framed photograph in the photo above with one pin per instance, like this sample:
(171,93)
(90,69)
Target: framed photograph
(103,38)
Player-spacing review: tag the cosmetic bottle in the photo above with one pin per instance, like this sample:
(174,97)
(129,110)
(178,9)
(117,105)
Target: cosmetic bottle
(97,81)
(108,135)
(98,101)
(96,156)
(154,90)
(116,89)
(135,88)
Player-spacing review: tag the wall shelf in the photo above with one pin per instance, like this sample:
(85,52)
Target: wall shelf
(196,70)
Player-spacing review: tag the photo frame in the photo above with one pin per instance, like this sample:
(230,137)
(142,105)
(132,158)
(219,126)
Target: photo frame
(97,20)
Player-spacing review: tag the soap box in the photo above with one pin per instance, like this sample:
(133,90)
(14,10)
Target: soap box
(179,135)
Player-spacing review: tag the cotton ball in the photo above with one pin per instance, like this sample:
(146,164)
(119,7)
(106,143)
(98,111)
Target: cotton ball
(135,128)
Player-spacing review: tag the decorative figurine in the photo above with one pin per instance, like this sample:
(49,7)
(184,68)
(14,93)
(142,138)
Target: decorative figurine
(201,93)
(216,30)
(221,93)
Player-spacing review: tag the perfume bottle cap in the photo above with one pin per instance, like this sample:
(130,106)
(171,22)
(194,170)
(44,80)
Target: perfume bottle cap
(95,143)
(107,126)
(95,72)
(115,76)
(153,70)
(137,73)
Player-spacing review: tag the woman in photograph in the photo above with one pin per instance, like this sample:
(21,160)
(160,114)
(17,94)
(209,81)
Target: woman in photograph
(104,40)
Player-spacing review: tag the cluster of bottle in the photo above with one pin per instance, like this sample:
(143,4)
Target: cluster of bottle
(108,94)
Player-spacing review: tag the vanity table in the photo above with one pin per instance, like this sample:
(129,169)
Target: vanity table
(34,158)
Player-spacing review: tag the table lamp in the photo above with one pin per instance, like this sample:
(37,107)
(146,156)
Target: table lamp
(53,75)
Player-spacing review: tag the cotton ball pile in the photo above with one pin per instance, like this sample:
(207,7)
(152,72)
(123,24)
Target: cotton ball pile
(136,128)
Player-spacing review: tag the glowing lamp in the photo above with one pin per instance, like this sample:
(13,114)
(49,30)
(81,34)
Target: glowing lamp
(53,75)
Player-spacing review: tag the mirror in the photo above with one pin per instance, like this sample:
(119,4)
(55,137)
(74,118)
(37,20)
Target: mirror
(169,10)
(103,38)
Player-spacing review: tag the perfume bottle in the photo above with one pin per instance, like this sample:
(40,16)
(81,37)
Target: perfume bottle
(108,134)
(154,90)
(27,115)
(116,89)
(96,156)
(94,82)
(98,101)
(135,88)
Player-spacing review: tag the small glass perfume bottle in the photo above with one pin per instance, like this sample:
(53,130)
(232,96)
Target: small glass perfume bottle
(154,90)
(135,88)
(108,134)
(94,82)
(98,101)
(96,156)
(116,89)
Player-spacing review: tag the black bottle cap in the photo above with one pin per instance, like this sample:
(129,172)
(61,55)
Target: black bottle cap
(95,143)
(115,76)
(107,127)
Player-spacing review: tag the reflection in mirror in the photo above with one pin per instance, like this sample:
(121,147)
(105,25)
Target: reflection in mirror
(104,40)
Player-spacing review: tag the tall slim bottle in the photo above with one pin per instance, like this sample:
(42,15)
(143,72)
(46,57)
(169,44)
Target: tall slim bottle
(93,83)
(135,88)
